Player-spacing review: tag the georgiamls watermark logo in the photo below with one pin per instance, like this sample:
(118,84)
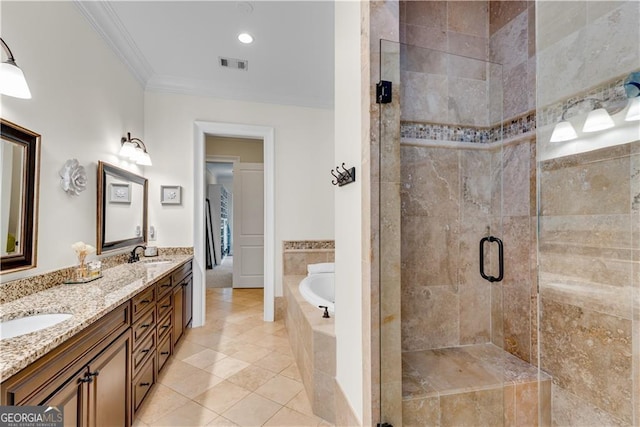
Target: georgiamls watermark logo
(31,416)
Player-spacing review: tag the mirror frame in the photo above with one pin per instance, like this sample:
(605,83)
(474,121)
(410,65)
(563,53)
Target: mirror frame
(14,133)
(103,170)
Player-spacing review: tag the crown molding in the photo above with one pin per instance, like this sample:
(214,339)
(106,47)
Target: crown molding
(108,25)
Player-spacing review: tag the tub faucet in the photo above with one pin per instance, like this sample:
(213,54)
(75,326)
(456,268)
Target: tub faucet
(326,311)
(133,256)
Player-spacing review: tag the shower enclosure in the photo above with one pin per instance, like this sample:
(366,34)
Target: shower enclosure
(465,243)
(509,265)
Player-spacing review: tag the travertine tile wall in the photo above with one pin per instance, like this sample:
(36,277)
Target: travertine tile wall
(437,87)
(313,343)
(588,276)
(502,32)
(514,300)
(451,198)
(589,245)
(512,44)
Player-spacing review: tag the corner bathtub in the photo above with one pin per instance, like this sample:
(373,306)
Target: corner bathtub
(319,289)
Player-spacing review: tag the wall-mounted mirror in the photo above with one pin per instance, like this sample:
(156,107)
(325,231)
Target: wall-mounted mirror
(122,208)
(20,160)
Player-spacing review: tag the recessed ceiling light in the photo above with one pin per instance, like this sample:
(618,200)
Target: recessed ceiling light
(245,38)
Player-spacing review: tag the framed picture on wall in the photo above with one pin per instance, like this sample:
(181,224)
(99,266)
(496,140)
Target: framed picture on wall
(120,192)
(170,194)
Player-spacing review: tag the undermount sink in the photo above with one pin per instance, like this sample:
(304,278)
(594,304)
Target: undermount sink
(24,325)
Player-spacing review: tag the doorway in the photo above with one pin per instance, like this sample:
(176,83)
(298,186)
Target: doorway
(201,131)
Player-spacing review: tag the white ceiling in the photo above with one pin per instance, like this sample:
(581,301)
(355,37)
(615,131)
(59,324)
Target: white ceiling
(174,46)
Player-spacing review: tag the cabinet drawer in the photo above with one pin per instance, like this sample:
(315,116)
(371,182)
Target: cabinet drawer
(143,301)
(143,382)
(164,327)
(147,347)
(182,272)
(164,306)
(143,326)
(163,286)
(164,352)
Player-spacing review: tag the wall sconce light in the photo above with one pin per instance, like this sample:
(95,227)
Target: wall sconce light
(135,150)
(12,81)
(597,119)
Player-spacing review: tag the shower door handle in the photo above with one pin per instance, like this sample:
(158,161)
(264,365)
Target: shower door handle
(492,239)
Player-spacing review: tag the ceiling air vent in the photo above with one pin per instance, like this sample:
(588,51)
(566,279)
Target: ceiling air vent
(236,64)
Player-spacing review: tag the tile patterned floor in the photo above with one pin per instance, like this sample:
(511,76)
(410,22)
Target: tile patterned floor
(235,371)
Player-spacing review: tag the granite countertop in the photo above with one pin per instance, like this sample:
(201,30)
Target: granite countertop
(87,302)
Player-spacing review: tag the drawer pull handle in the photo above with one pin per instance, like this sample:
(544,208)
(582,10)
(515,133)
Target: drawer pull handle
(165,306)
(165,326)
(145,325)
(147,350)
(164,353)
(168,285)
(93,374)
(145,384)
(145,301)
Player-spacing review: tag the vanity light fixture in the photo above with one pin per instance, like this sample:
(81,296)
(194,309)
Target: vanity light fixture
(135,150)
(12,81)
(597,119)
(245,38)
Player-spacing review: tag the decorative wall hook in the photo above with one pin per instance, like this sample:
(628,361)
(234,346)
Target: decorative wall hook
(344,176)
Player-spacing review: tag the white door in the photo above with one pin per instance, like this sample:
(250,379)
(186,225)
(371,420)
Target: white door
(248,225)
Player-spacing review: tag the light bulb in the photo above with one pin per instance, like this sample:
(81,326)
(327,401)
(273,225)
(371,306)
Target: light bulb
(12,81)
(245,38)
(128,149)
(143,159)
(563,131)
(633,113)
(598,120)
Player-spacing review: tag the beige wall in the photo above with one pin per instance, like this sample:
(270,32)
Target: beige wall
(249,150)
(81,108)
(303,142)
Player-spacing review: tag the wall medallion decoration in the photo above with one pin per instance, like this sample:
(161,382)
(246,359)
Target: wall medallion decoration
(73,177)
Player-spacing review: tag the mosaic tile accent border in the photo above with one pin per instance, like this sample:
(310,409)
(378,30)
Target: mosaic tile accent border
(440,132)
(610,93)
(288,245)
(15,289)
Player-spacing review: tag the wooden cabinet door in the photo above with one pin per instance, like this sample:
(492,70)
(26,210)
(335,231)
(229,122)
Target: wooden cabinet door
(110,388)
(178,309)
(187,314)
(72,397)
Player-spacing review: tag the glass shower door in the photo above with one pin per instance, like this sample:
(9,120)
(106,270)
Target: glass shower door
(455,245)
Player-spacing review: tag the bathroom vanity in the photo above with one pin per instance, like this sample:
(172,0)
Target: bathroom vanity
(101,363)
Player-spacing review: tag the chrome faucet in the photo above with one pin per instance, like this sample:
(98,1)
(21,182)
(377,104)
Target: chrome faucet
(133,256)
